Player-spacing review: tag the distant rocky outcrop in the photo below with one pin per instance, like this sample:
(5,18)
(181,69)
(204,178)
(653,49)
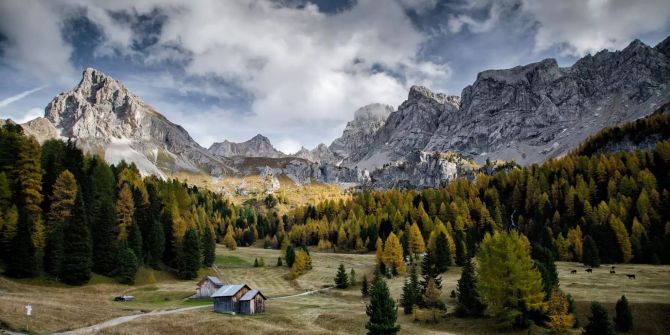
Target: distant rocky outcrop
(257,146)
(320,154)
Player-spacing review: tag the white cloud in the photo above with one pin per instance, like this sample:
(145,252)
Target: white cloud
(17,97)
(288,146)
(34,41)
(30,114)
(580,27)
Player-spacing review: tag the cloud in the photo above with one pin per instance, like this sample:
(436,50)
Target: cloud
(580,27)
(465,18)
(30,115)
(14,98)
(34,43)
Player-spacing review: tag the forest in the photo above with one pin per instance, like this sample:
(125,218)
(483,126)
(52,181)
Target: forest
(66,214)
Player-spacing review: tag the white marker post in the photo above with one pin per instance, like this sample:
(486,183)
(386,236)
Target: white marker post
(29,312)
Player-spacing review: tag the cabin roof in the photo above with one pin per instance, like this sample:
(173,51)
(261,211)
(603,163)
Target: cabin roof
(228,290)
(251,294)
(215,280)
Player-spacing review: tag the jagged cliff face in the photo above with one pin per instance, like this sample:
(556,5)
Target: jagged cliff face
(258,146)
(539,111)
(360,133)
(320,154)
(104,117)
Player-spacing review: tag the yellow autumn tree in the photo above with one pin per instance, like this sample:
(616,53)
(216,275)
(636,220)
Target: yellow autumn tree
(440,228)
(576,243)
(393,254)
(379,251)
(416,243)
(125,209)
(622,238)
(302,264)
(563,247)
(560,318)
(229,239)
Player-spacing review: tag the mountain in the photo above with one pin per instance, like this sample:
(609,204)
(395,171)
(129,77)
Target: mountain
(359,133)
(257,146)
(104,117)
(321,154)
(538,111)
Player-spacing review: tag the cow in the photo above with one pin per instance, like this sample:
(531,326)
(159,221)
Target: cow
(589,270)
(612,271)
(573,272)
(631,276)
(613,267)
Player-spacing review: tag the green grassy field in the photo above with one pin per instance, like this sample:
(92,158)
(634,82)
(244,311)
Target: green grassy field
(58,307)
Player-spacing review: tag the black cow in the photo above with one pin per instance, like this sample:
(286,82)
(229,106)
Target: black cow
(573,272)
(589,270)
(631,276)
(612,271)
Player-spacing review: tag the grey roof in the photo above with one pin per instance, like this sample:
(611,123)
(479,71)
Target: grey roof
(228,290)
(249,295)
(215,280)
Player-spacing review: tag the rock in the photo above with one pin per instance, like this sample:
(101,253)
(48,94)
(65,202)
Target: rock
(258,146)
(359,133)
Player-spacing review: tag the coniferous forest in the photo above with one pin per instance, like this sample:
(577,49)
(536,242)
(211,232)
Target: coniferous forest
(66,215)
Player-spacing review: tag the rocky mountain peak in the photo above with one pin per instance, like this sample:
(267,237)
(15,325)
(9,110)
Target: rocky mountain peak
(664,47)
(257,146)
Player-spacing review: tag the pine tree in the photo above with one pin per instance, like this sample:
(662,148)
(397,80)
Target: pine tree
(623,320)
(341,278)
(442,253)
(544,262)
(469,301)
(53,249)
(290,256)
(429,271)
(352,277)
(507,280)
(381,310)
(23,260)
(156,245)
(599,323)
(590,254)
(77,251)
(208,247)
(365,289)
(105,248)
(411,294)
(279,263)
(127,265)
(189,259)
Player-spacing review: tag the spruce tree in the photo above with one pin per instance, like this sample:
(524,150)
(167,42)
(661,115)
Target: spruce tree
(442,253)
(23,260)
(599,323)
(623,320)
(469,301)
(429,270)
(127,265)
(208,248)
(365,289)
(279,263)
(290,255)
(411,291)
(77,251)
(105,242)
(53,250)
(156,245)
(341,278)
(352,277)
(544,262)
(190,256)
(590,256)
(381,310)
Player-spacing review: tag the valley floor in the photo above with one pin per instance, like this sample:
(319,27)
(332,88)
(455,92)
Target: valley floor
(289,311)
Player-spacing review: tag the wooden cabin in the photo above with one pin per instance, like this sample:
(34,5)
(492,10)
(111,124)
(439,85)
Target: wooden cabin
(207,286)
(252,302)
(227,298)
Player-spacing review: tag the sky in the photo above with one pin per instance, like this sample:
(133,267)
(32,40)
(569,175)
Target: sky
(294,70)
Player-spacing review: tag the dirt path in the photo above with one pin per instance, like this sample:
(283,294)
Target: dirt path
(128,318)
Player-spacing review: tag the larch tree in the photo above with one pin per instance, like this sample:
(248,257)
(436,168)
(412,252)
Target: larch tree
(507,278)
(77,250)
(125,211)
(622,238)
(558,311)
(379,254)
(393,254)
(381,310)
(229,238)
(416,243)
(29,175)
(62,201)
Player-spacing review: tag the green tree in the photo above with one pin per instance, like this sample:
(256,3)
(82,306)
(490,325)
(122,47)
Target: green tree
(623,320)
(469,301)
(279,263)
(29,177)
(62,200)
(429,271)
(365,288)
(105,248)
(341,278)
(190,256)
(442,253)
(507,279)
(590,256)
(381,310)
(77,251)
(290,255)
(411,291)
(127,265)
(544,262)
(599,323)
(208,247)
(156,245)
(23,263)
(53,250)
(352,277)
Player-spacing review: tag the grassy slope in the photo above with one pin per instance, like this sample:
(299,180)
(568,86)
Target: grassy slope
(341,312)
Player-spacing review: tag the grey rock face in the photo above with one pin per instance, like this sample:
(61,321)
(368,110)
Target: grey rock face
(359,134)
(257,146)
(320,154)
(103,116)
(539,111)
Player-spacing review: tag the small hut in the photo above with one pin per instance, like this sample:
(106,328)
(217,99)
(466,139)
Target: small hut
(252,302)
(227,298)
(207,286)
